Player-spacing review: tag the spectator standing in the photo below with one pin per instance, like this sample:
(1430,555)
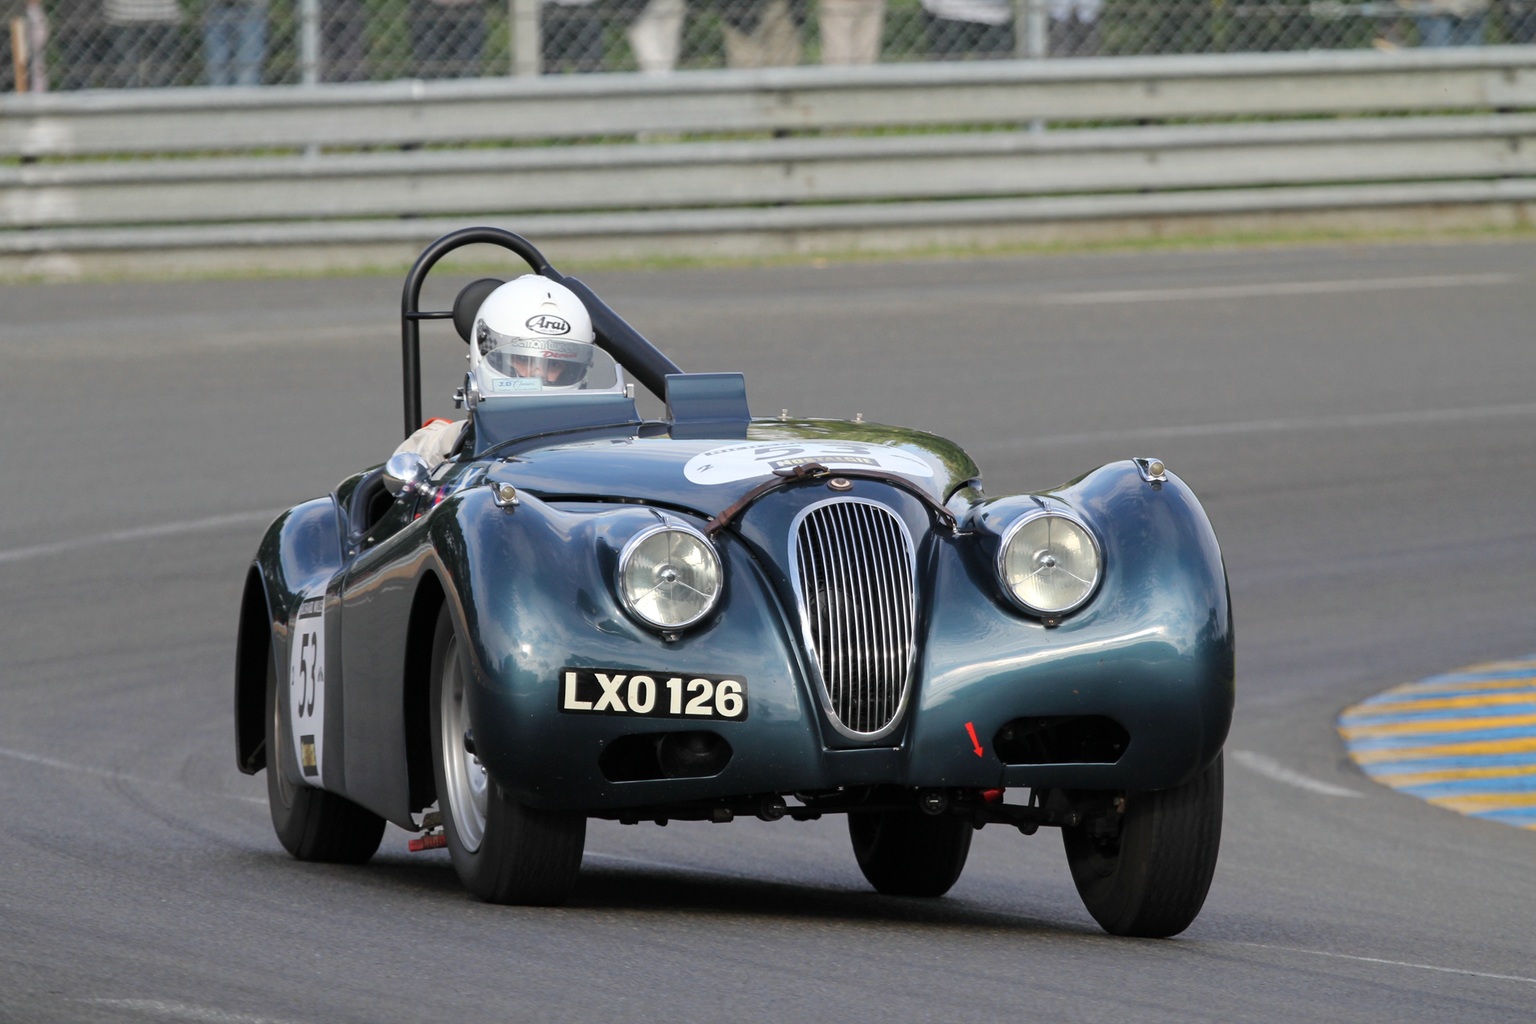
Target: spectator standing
(1073,27)
(656,35)
(1451,22)
(30,61)
(234,41)
(1520,20)
(851,30)
(965,29)
(143,37)
(573,35)
(761,33)
(343,41)
(447,37)
(81,40)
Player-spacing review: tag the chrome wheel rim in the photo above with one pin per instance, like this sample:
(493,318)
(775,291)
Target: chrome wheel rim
(464,776)
(277,757)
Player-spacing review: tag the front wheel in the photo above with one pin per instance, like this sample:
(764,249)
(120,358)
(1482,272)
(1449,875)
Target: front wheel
(908,853)
(311,823)
(1144,865)
(503,852)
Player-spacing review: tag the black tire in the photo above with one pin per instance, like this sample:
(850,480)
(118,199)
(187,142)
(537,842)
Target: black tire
(311,823)
(503,852)
(1146,871)
(909,853)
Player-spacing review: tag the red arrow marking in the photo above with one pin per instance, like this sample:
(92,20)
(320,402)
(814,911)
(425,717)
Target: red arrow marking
(970,727)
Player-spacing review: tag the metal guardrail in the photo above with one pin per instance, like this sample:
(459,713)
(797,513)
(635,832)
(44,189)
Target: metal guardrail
(764,152)
(774,99)
(798,171)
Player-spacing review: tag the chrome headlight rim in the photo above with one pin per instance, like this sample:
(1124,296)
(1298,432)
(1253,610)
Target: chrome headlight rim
(626,554)
(1000,566)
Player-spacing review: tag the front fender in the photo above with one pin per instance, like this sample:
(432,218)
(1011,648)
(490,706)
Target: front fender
(534,595)
(299,551)
(1154,649)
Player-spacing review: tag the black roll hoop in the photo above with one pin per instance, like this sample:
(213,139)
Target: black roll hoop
(640,359)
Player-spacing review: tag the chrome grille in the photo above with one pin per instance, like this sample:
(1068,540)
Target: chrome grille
(858,606)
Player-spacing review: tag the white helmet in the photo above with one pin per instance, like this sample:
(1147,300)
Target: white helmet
(531,335)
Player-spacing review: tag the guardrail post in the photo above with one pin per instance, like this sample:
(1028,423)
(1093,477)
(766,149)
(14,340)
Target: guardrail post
(1029,37)
(37,45)
(1029,29)
(527,40)
(309,42)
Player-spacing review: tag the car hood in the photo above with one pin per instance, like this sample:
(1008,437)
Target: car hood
(711,474)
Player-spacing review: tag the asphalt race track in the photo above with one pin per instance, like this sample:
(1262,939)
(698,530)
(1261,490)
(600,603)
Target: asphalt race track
(1360,423)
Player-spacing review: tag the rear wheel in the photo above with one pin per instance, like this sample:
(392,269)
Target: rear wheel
(905,853)
(503,852)
(311,823)
(1144,866)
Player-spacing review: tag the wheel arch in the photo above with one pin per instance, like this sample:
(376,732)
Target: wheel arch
(253,648)
(416,692)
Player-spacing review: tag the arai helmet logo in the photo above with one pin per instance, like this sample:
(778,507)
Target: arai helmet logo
(546,323)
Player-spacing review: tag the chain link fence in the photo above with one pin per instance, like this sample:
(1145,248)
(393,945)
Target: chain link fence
(60,45)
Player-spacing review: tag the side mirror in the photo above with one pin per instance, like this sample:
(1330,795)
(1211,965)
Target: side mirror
(406,473)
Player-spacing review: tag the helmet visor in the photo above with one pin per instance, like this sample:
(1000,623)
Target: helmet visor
(551,362)
(557,373)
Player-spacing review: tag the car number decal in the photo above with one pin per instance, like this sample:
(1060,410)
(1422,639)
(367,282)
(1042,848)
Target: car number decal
(760,458)
(586,691)
(306,685)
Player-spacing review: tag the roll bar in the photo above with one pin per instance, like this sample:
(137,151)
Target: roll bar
(640,359)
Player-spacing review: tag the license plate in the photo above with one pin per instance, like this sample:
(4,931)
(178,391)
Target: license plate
(601,691)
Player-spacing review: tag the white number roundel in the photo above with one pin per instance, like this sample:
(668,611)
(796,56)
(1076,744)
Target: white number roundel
(761,458)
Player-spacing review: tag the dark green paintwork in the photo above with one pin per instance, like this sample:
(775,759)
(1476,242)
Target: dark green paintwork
(532,590)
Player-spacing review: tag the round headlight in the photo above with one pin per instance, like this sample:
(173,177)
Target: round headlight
(669,576)
(1049,563)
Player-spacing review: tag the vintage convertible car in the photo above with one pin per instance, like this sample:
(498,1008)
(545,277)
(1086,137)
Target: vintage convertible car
(584,613)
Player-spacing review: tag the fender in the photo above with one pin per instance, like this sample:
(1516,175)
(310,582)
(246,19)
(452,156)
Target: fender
(527,609)
(1154,650)
(299,551)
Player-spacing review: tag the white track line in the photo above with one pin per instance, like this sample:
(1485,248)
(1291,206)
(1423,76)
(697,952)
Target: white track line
(1383,962)
(104,773)
(1352,421)
(160,1009)
(1356,421)
(53,762)
(136,534)
(1262,289)
(1351,957)
(1272,769)
(199,1015)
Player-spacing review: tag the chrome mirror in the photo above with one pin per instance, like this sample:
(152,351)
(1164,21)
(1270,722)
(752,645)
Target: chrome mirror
(406,473)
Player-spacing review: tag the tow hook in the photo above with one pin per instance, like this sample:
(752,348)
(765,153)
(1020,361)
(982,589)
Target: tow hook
(430,841)
(432,837)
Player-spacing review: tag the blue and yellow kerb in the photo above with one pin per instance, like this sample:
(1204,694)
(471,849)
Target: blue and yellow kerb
(1464,741)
